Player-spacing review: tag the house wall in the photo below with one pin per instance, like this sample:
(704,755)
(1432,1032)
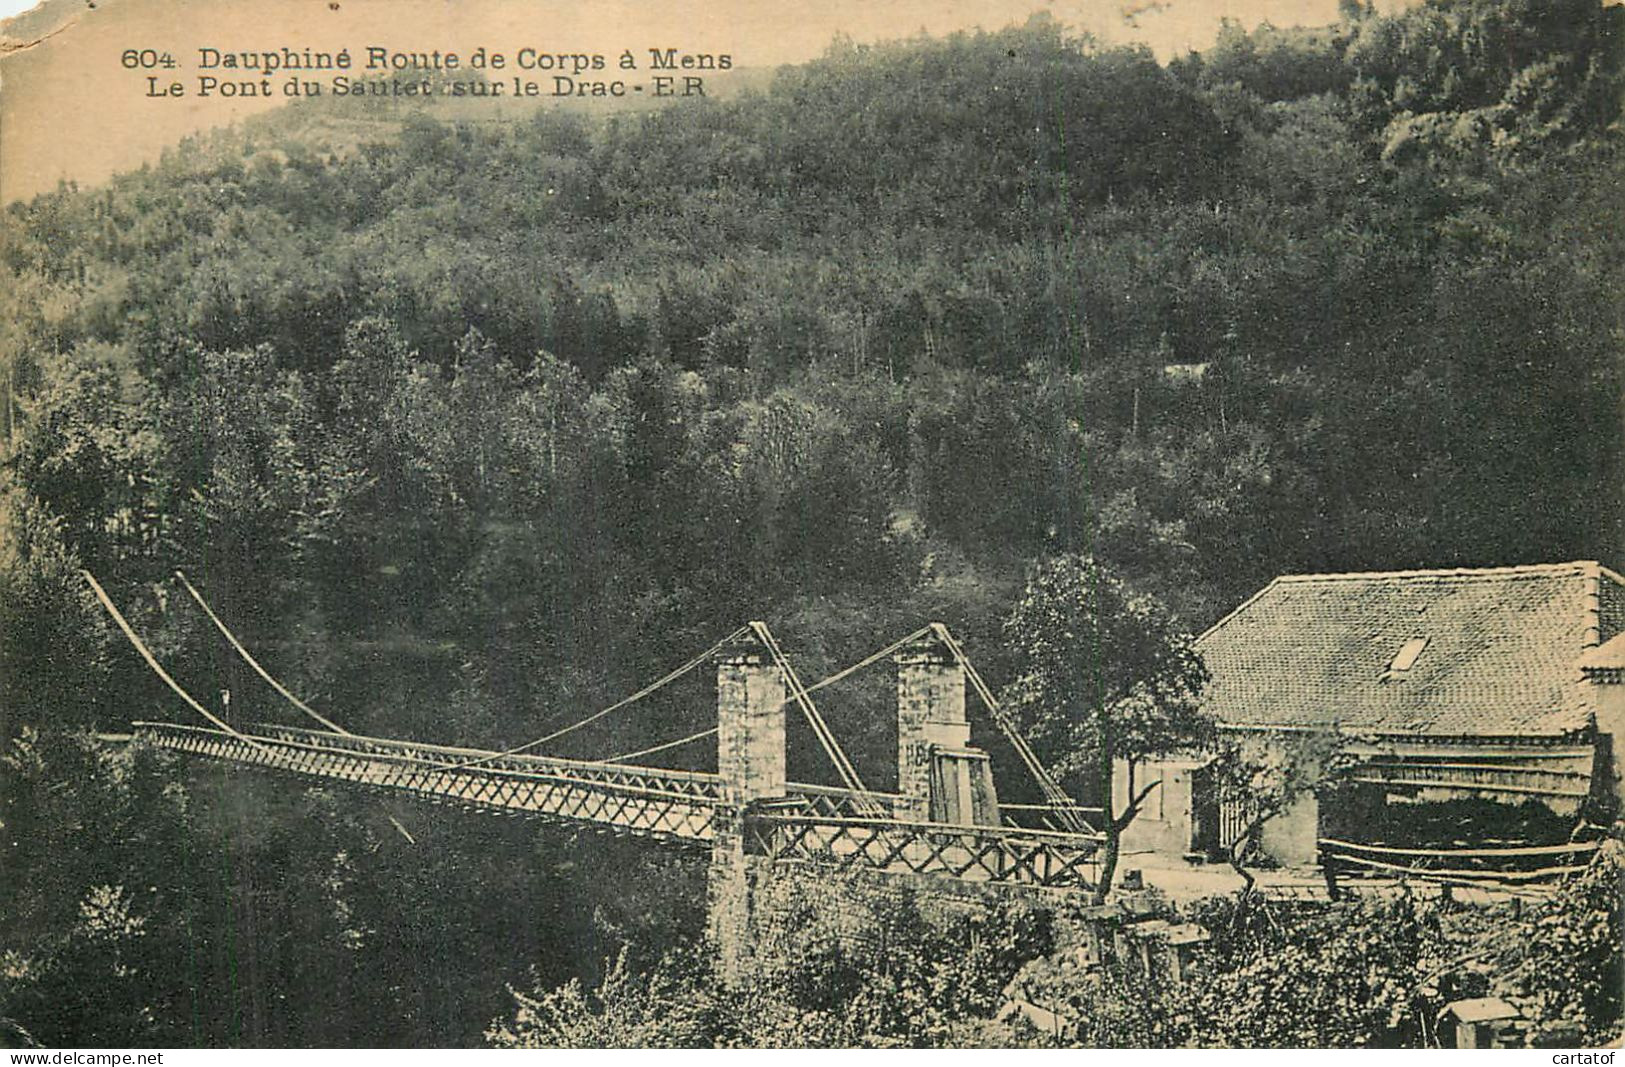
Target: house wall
(1166,824)
(1170,825)
(1292,838)
(1608,694)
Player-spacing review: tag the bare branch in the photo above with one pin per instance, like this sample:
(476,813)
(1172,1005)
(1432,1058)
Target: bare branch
(1133,808)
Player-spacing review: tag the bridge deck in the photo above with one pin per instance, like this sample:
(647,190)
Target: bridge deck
(811,823)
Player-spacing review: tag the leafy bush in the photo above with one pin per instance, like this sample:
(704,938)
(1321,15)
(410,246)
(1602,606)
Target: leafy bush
(914,973)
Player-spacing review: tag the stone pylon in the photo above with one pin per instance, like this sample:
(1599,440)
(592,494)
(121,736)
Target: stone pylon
(940,777)
(751,762)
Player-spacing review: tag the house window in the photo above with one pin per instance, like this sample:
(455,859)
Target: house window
(1406,657)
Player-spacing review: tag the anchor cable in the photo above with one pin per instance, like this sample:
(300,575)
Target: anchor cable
(799,693)
(157,668)
(252,662)
(1063,804)
(867,661)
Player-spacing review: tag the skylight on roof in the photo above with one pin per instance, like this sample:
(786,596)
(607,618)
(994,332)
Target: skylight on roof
(1407,655)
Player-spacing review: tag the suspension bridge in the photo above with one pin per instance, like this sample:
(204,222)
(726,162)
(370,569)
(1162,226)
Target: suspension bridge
(944,821)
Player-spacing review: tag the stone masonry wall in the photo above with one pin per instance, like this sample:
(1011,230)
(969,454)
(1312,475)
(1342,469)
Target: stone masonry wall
(751,761)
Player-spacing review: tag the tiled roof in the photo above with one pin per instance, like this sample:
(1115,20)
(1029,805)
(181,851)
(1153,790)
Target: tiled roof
(1501,657)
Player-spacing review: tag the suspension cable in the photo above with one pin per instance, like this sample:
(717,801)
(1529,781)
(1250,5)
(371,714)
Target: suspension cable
(867,661)
(658,748)
(798,692)
(152,661)
(252,662)
(831,680)
(618,705)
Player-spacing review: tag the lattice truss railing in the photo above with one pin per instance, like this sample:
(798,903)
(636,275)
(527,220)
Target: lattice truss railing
(830,802)
(972,853)
(677,805)
(698,784)
(1061,818)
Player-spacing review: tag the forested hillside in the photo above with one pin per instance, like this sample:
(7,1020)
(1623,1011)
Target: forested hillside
(470,428)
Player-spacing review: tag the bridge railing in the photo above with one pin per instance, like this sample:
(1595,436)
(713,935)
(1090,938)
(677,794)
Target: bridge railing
(693,783)
(1048,816)
(971,853)
(812,823)
(825,801)
(636,800)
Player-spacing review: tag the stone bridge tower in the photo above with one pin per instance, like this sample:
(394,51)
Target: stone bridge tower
(940,777)
(751,709)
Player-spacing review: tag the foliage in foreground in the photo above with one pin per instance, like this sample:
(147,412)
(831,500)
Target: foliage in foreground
(1369,972)
(906,974)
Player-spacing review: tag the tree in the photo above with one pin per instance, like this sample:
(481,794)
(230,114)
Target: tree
(1106,675)
(94,911)
(88,455)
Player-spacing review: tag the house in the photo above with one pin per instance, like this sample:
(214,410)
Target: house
(1503,685)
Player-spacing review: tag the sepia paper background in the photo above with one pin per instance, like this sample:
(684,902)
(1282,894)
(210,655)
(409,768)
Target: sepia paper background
(69,110)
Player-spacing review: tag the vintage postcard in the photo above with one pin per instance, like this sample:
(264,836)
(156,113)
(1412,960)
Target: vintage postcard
(936,524)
